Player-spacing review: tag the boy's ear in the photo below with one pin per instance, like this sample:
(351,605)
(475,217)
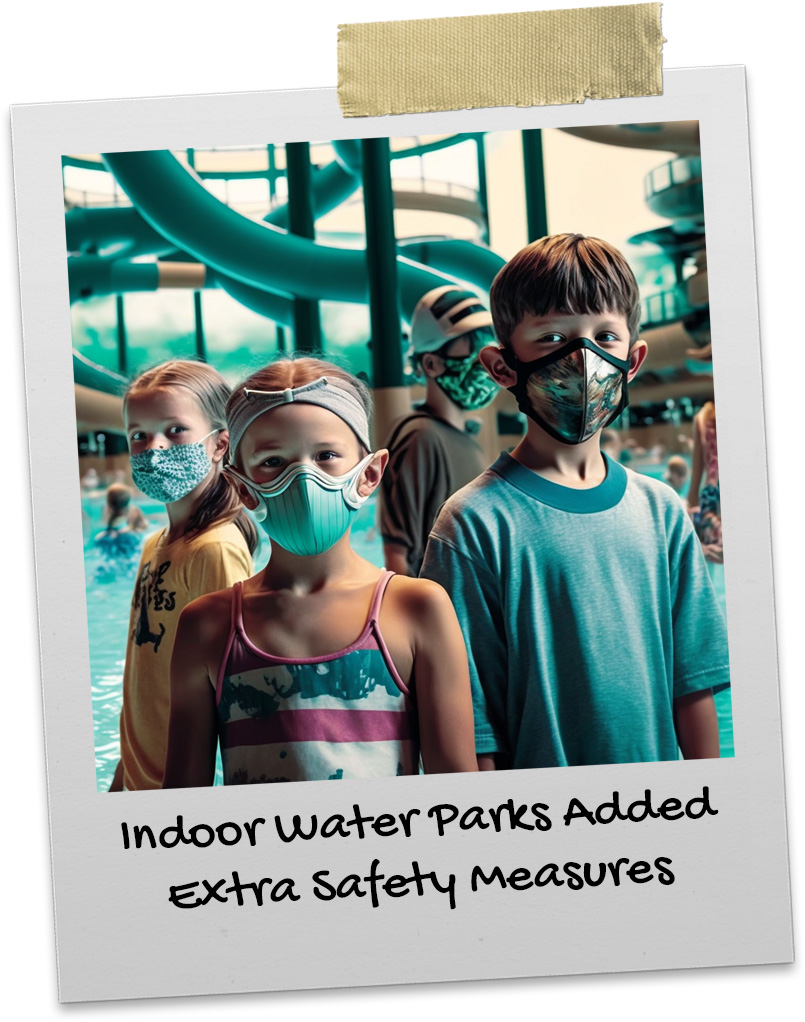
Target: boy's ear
(432,365)
(373,473)
(492,360)
(637,356)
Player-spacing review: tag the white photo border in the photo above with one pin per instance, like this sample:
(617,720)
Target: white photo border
(117,934)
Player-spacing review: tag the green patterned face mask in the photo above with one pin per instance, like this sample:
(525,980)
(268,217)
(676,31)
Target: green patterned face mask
(465,381)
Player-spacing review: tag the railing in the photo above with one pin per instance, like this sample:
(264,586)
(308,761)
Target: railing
(680,171)
(665,307)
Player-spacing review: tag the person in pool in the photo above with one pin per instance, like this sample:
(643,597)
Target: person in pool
(322,666)
(120,541)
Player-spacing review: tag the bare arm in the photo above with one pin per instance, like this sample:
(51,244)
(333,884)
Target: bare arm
(697,466)
(394,556)
(442,681)
(117,780)
(696,725)
(487,762)
(192,729)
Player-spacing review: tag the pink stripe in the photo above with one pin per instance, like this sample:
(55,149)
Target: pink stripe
(318,726)
(235,617)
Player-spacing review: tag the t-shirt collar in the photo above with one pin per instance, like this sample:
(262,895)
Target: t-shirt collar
(565,498)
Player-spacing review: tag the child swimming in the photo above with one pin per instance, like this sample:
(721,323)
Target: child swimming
(322,666)
(120,541)
(176,427)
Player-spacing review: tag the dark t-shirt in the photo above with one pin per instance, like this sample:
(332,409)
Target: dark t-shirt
(429,460)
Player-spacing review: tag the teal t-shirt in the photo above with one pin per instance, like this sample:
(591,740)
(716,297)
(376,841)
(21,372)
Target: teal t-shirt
(585,613)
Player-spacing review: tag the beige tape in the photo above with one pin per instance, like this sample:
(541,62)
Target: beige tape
(531,59)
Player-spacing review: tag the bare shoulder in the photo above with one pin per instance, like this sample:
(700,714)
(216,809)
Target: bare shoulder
(209,609)
(419,599)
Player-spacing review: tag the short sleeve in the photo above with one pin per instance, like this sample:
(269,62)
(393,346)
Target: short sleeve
(701,654)
(217,566)
(475,595)
(412,492)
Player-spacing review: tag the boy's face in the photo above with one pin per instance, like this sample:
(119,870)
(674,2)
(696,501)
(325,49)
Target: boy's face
(537,336)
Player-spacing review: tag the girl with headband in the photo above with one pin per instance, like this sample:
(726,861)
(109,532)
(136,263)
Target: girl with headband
(322,666)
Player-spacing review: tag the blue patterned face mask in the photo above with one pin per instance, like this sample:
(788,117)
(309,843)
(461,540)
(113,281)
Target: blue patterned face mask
(169,473)
(305,510)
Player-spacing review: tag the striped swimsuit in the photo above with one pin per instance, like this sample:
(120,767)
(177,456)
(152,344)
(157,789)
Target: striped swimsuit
(345,714)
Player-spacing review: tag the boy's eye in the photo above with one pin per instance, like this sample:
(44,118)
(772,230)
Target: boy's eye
(136,437)
(326,456)
(176,430)
(552,339)
(275,461)
(608,337)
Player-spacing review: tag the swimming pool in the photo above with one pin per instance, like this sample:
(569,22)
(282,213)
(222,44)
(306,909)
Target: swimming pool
(109,589)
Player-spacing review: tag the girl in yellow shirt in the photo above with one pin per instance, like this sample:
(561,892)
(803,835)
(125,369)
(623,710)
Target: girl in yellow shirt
(176,428)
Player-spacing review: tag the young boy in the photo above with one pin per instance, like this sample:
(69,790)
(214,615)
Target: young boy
(431,454)
(593,631)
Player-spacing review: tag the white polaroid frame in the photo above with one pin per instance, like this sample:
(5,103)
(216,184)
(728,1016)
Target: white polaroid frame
(119,936)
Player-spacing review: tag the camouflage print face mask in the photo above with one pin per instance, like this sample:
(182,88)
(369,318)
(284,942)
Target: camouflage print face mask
(468,385)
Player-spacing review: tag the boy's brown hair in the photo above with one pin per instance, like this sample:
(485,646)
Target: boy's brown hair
(565,273)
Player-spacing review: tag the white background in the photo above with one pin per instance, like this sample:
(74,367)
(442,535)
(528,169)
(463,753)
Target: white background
(101,50)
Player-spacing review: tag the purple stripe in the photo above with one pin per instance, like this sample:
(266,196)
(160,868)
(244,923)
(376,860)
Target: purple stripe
(319,726)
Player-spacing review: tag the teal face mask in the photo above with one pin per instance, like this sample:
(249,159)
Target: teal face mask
(305,510)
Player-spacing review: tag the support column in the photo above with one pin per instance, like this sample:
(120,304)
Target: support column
(390,395)
(273,174)
(201,344)
(534,171)
(307,322)
(122,352)
(483,196)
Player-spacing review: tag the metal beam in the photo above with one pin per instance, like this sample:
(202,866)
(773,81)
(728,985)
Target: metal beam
(381,265)
(307,321)
(534,171)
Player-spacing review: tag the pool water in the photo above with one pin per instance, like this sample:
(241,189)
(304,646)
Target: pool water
(109,587)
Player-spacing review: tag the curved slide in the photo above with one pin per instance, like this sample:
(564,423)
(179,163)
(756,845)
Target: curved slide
(258,264)
(175,203)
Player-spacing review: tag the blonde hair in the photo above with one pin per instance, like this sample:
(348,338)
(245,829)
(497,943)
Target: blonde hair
(220,503)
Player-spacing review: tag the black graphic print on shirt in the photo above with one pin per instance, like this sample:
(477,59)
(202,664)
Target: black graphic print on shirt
(151,593)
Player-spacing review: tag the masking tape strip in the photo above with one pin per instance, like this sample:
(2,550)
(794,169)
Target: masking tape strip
(530,59)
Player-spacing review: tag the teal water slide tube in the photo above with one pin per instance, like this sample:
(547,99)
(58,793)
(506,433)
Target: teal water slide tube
(258,264)
(175,203)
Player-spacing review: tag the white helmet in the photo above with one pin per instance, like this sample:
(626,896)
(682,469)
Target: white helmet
(445,314)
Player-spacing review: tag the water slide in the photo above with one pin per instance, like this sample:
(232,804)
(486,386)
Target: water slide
(257,263)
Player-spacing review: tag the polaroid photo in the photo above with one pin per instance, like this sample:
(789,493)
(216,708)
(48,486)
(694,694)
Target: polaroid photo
(458,547)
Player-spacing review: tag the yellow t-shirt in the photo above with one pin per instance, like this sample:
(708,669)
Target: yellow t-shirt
(170,576)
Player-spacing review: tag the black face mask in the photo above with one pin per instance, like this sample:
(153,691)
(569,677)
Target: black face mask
(573,392)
